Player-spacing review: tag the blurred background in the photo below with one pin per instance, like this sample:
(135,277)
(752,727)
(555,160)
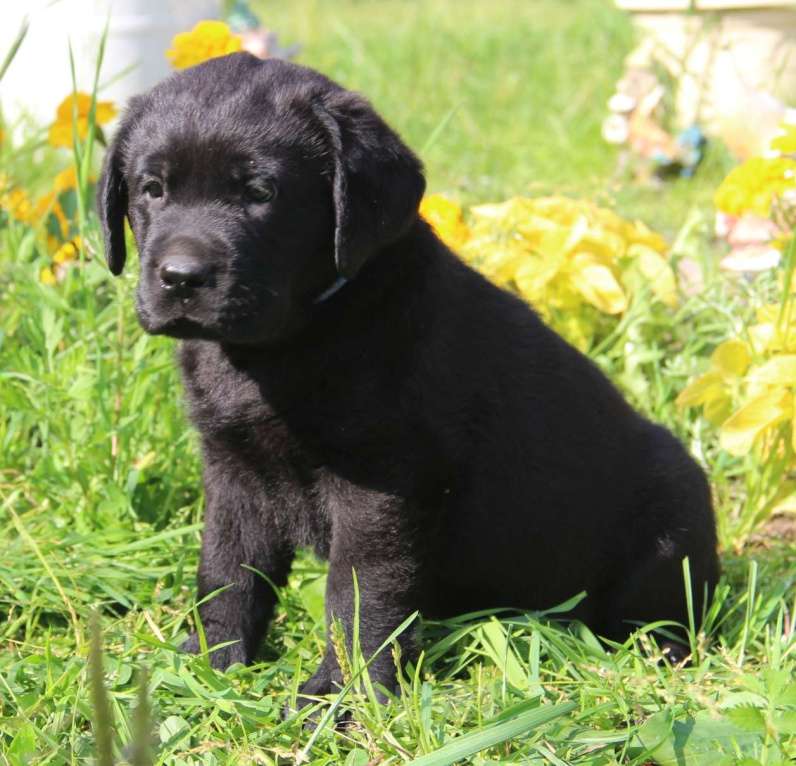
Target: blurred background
(519,96)
(627,167)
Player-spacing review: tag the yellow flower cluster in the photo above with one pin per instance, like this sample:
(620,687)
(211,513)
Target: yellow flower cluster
(60,134)
(566,257)
(14,202)
(51,205)
(748,392)
(48,211)
(207,40)
(63,256)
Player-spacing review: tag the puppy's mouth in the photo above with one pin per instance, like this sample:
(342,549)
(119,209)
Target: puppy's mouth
(237,321)
(184,328)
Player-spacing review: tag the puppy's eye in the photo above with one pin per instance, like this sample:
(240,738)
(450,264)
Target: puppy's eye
(260,191)
(153,189)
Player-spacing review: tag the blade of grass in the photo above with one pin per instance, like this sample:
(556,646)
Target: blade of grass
(15,45)
(489,736)
(751,595)
(103,720)
(142,724)
(689,600)
(438,128)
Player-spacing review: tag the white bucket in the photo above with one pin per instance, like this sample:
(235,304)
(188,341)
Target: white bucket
(139,33)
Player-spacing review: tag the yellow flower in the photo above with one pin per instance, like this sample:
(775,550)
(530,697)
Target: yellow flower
(445,217)
(744,427)
(207,40)
(67,252)
(786,141)
(748,402)
(65,180)
(770,335)
(61,130)
(753,186)
(653,270)
(566,257)
(575,248)
(714,390)
(597,284)
(64,254)
(17,204)
(50,204)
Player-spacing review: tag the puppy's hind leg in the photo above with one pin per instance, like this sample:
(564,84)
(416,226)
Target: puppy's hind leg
(676,522)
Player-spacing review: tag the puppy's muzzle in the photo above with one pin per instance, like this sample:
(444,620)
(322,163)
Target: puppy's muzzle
(185,268)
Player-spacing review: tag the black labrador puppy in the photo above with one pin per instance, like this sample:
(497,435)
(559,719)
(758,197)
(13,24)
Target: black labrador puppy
(360,390)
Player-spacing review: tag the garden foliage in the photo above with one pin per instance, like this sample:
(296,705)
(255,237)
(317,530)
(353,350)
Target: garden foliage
(100,507)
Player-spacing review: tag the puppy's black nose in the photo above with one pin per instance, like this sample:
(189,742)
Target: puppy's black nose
(184,270)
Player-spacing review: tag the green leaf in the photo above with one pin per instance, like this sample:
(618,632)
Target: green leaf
(787,697)
(748,718)
(785,723)
(312,598)
(489,736)
(496,644)
(23,747)
(357,757)
(173,729)
(693,741)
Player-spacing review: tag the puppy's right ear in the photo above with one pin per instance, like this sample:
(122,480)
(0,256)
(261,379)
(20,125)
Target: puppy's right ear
(112,198)
(112,207)
(112,204)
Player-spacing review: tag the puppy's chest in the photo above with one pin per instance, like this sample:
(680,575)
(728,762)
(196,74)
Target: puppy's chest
(228,404)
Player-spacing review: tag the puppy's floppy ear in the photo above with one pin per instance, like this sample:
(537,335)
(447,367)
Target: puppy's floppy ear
(378,181)
(112,207)
(112,195)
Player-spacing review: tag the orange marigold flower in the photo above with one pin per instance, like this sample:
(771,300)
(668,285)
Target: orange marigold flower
(207,40)
(61,130)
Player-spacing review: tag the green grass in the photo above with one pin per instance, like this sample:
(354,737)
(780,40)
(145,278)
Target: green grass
(100,503)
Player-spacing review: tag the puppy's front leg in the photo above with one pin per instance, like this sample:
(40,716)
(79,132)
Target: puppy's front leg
(380,552)
(239,533)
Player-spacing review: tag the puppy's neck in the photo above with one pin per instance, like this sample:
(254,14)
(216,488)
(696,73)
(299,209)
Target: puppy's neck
(383,293)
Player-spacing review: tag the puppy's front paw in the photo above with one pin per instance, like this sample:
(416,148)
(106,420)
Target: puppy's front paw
(221,658)
(318,685)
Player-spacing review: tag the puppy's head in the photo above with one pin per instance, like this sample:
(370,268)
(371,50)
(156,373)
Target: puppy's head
(250,187)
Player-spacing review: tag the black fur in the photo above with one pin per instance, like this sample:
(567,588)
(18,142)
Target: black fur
(420,426)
